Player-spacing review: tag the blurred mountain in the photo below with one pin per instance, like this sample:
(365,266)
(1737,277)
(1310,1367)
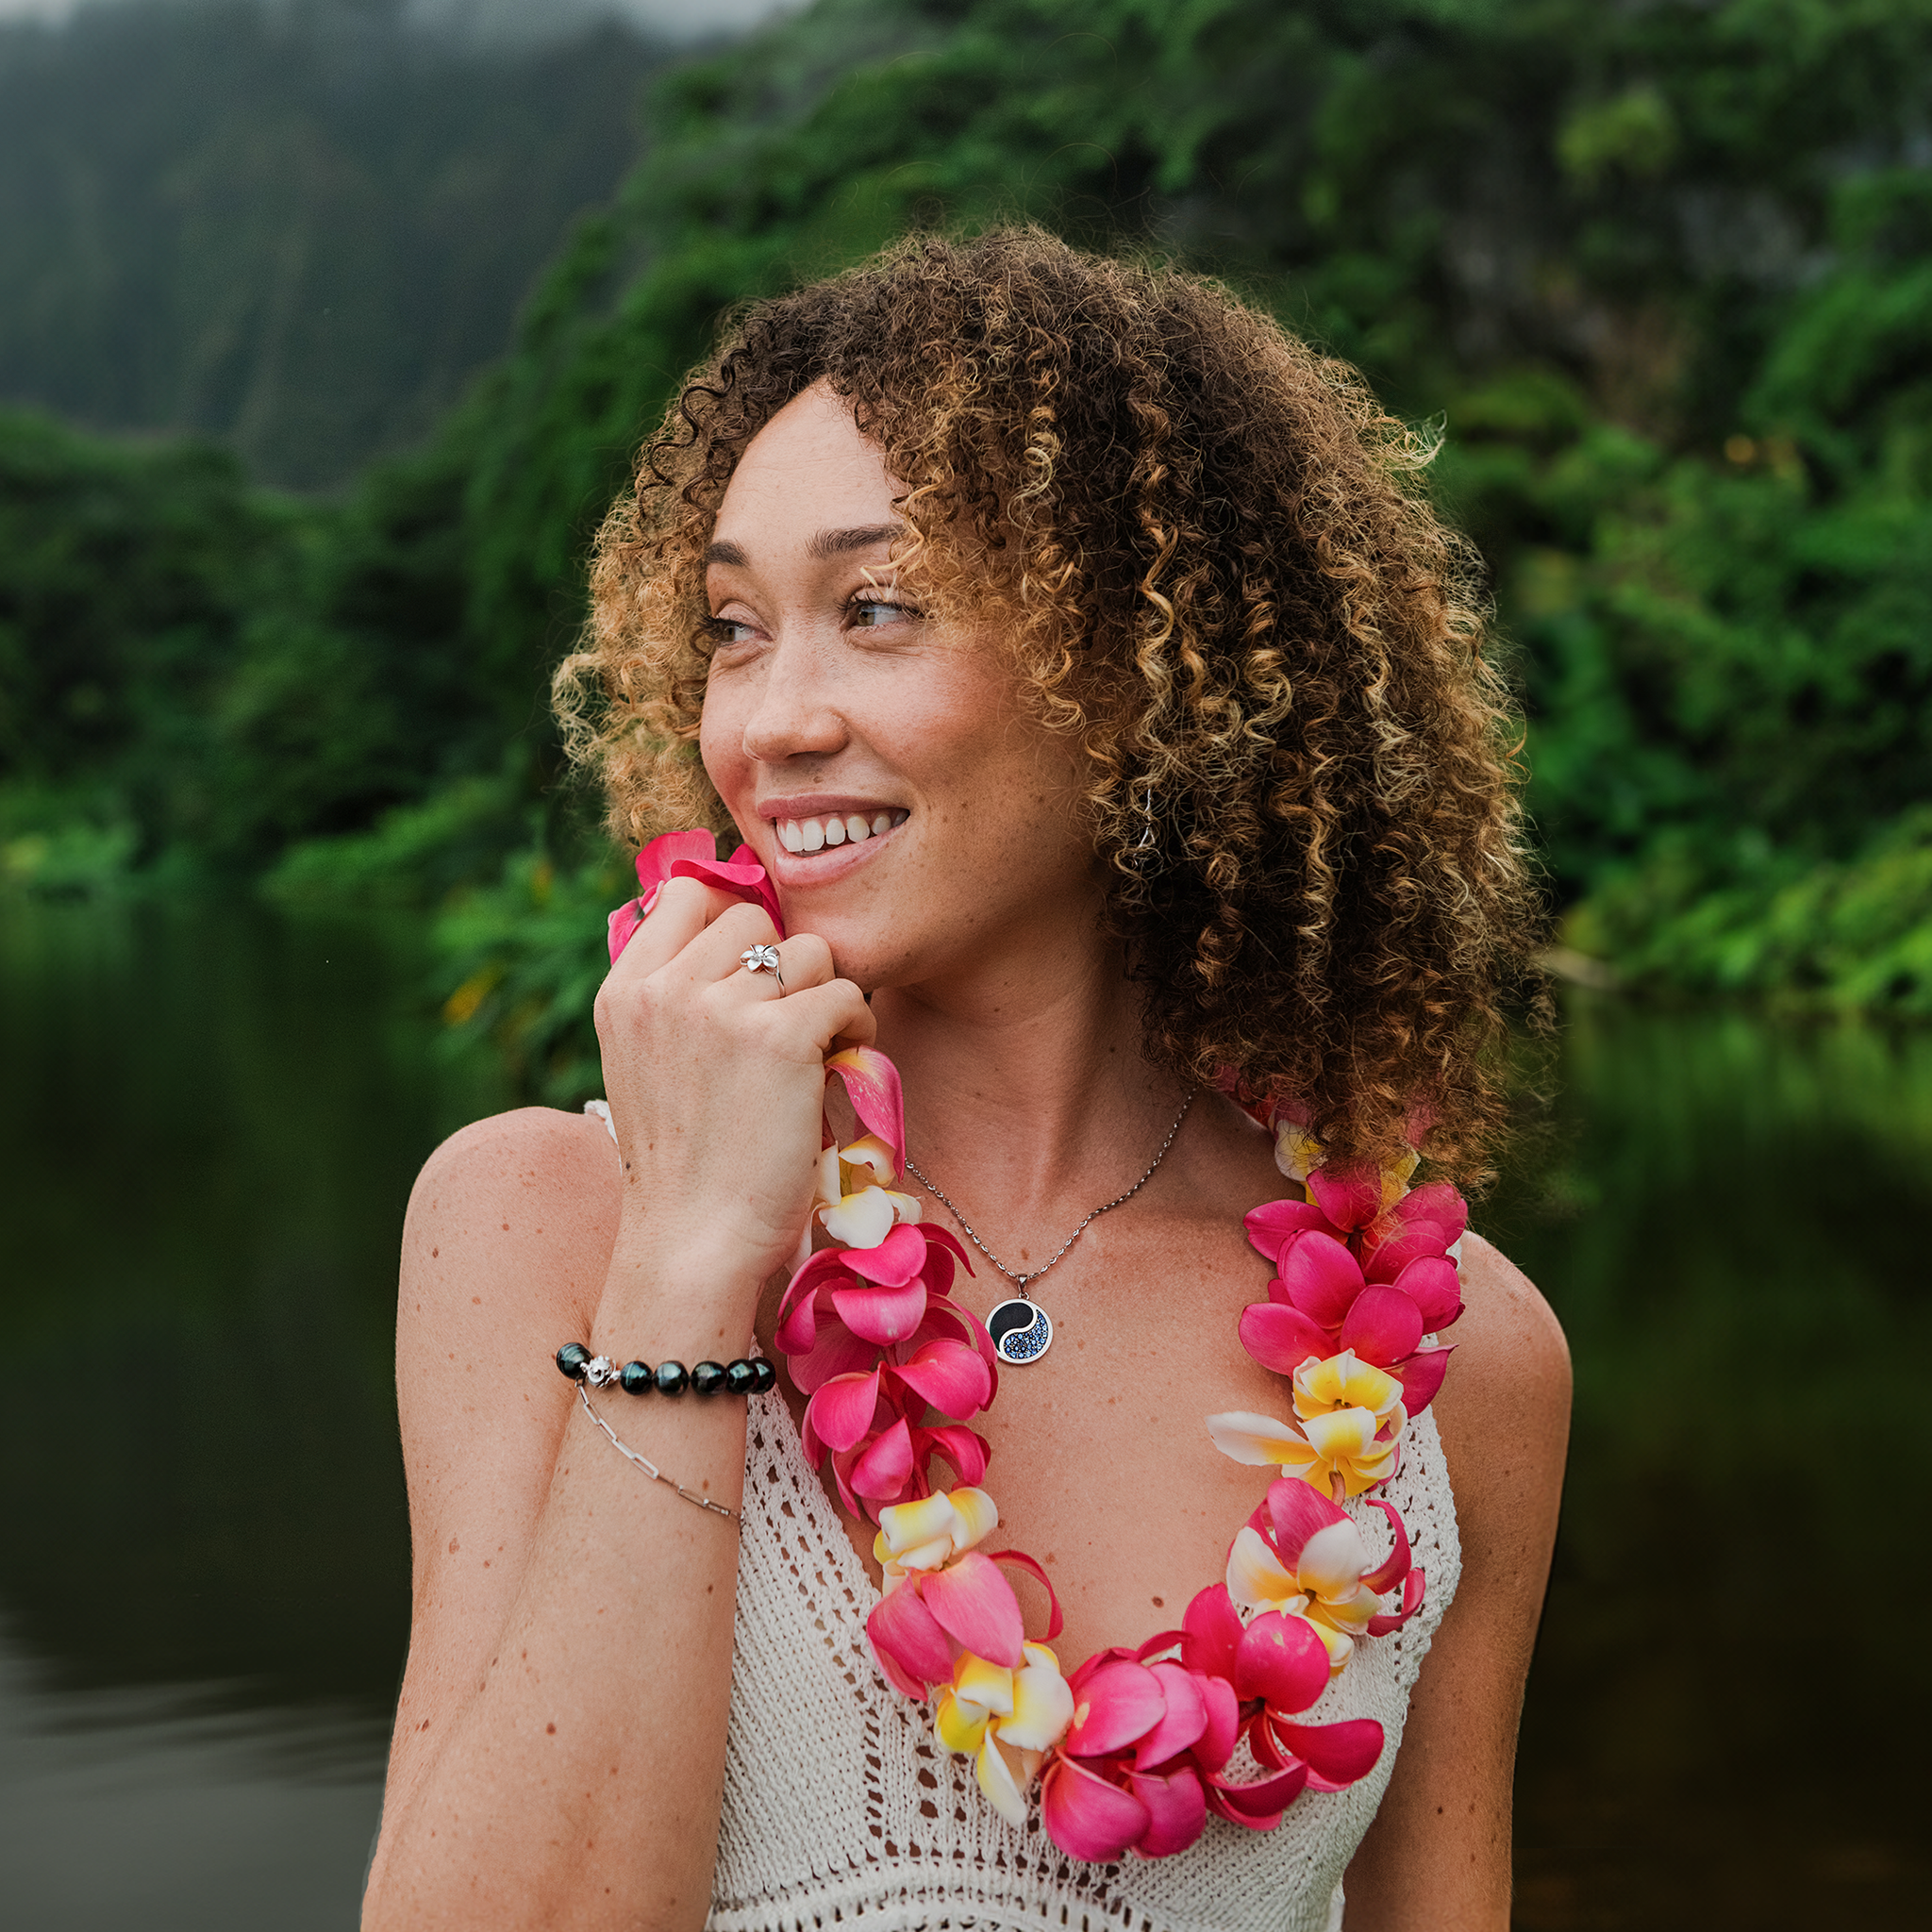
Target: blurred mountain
(298,229)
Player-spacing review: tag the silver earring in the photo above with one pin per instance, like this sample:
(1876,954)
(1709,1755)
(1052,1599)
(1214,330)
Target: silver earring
(1146,853)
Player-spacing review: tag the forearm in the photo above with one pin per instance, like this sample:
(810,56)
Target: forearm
(577,1777)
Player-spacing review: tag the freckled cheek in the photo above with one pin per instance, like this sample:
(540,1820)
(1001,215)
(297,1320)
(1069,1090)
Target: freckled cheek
(721,747)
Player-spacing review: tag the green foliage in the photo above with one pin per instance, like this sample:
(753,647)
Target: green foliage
(130,580)
(414,856)
(206,672)
(526,954)
(1850,937)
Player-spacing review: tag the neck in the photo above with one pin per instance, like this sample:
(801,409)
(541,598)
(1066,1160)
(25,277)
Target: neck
(1027,1097)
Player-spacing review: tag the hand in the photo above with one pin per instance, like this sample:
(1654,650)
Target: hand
(716,1084)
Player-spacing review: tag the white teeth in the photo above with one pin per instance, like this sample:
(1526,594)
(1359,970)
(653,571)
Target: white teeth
(814,835)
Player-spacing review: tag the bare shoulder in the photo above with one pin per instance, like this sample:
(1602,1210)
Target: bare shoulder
(1503,1412)
(527,1158)
(1508,1336)
(520,1195)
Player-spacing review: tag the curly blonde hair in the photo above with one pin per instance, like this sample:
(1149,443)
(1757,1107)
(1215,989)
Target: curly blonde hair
(1214,565)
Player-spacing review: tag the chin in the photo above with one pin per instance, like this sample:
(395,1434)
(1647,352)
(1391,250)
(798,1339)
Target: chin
(864,949)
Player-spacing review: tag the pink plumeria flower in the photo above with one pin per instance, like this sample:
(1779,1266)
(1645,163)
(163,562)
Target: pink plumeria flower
(1277,1666)
(691,855)
(873,1339)
(1351,1418)
(1128,1775)
(1305,1558)
(869,1333)
(989,1707)
(944,1597)
(1324,1300)
(920,1627)
(1383,1237)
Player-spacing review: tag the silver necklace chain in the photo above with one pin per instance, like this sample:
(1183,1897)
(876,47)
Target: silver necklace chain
(1020,1281)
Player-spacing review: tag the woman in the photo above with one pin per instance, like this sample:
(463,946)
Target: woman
(1075,655)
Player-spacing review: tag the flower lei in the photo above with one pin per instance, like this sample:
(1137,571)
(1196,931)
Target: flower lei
(1133,1748)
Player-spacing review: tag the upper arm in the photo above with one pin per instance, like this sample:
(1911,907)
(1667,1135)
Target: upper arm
(505,1249)
(1438,1854)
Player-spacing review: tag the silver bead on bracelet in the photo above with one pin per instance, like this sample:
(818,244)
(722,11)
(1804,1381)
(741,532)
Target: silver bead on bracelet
(740,1377)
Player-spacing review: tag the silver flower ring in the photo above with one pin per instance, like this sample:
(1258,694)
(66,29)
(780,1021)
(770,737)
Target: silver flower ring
(763,960)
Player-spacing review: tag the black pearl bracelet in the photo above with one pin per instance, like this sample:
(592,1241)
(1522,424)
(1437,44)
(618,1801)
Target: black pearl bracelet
(740,1377)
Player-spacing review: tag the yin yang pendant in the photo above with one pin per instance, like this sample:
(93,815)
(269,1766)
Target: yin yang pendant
(1020,1331)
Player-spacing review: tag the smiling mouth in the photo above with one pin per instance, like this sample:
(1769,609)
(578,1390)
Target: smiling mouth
(807,836)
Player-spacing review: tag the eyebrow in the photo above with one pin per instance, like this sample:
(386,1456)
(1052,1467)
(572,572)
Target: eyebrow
(826,544)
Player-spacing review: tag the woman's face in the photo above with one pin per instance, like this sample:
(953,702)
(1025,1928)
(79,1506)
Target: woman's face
(877,763)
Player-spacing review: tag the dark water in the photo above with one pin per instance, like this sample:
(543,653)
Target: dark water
(208,1124)
(1724,1724)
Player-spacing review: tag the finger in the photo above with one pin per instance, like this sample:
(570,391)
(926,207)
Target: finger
(864,1032)
(804,961)
(819,1020)
(684,908)
(714,953)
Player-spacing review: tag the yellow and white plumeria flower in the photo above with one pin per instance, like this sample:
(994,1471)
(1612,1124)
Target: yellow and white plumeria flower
(1303,1555)
(1027,1710)
(1351,1422)
(1298,1153)
(856,1205)
(928,1533)
(1343,1382)
(1323,1584)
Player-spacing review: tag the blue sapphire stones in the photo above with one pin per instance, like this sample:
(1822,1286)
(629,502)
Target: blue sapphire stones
(1020,1330)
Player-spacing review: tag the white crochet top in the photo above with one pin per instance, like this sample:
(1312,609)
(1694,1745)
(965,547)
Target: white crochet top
(841,1807)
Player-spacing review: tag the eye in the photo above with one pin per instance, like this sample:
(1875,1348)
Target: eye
(720,632)
(875,614)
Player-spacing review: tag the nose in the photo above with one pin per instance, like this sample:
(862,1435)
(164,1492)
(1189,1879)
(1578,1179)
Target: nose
(794,716)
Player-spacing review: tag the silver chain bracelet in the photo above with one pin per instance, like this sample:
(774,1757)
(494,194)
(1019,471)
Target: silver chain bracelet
(650,1468)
